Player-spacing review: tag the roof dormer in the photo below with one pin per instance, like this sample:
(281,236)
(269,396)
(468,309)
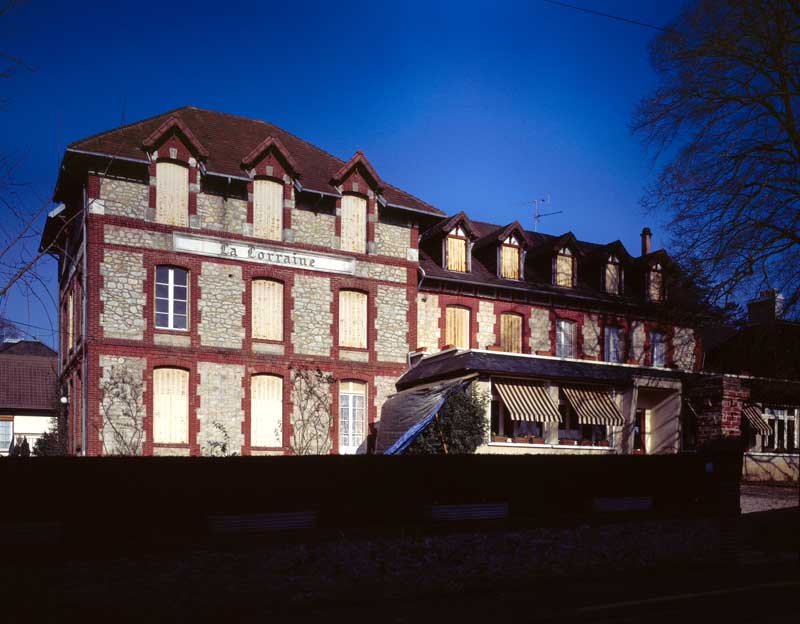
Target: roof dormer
(503,251)
(565,261)
(654,266)
(270,158)
(173,140)
(450,241)
(358,175)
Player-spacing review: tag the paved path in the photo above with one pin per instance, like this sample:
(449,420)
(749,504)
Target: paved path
(768,497)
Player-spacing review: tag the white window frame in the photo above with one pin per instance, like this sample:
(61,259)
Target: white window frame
(561,335)
(612,347)
(658,339)
(351,440)
(5,445)
(170,298)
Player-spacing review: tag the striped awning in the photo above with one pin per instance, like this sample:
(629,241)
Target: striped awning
(756,419)
(527,401)
(594,406)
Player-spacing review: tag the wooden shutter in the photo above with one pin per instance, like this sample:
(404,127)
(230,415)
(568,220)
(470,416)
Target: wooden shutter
(457,332)
(172,194)
(352,319)
(268,209)
(266,410)
(511,333)
(564,270)
(267,310)
(354,224)
(456,254)
(510,262)
(612,278)
(170,406)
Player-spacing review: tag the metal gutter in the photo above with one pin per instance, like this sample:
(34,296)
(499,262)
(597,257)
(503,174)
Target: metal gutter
(87,153)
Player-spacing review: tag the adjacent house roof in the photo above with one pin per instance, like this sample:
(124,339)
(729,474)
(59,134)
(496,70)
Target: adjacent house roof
(227,139)
(27,378)
(763,350)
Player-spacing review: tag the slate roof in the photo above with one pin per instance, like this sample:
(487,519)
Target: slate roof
(228,139)
(28,380)
(763,350)
(455,363)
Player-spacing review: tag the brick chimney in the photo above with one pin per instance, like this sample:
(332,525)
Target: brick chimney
(767,308)
(647,241)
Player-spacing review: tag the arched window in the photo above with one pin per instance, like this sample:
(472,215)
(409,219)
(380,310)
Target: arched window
(511,332)
(172,298)
(268,209)
(510,259)
(564,274)
(266,410)
(354,224)
(352,417)
(352,319)
(655,283)
(172,194)
(457,331)
(170,406)
(613,276)
(456,250)
(267,310)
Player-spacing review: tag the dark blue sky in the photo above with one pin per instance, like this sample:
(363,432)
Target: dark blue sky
(475,106)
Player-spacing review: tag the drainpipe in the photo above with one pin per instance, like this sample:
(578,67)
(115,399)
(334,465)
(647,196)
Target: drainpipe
(84,332)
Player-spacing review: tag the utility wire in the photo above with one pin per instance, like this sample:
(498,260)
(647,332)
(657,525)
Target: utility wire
(608,15)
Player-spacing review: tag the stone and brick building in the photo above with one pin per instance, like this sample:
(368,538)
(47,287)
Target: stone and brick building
(203,257)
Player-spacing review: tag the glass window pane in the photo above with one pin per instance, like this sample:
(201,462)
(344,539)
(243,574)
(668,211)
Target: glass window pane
(180,307)
(162,290)
(162,274)
(162,305)
(180,293)
(180,277)
(162,320)
(179,321)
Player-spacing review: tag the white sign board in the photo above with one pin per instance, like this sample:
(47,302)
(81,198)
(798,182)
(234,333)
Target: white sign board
(262,254)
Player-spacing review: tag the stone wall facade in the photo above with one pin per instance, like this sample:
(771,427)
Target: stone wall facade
(312,319)
(428,316)
(384,388)
(221,305)
(391,324)
(124,198)
(122,405)
(314,228)
(638,354)
(122,295)
(486,325)
(132,237)
(392,240)
(540,326)
(590,333)
(220,414)
(683,348)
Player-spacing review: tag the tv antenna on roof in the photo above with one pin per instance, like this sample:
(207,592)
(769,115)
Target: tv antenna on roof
(538,215)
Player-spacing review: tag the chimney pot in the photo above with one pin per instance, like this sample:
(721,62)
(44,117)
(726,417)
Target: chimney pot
(767,308)
(647,241)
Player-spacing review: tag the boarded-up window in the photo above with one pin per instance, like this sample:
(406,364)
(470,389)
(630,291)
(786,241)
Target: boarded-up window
(352,417)
(612,276)
(354,223)
(456,254)
(655,284)
(457,331)
(509,259)
(170,406)
(352,319)
(267,312)
(70,320)
(172,194)
(511,333)
(266,410)
(267,209)
(564,268)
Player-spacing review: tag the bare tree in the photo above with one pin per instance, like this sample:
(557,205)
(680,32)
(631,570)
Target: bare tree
(725,120)
(122,407)
(312,420)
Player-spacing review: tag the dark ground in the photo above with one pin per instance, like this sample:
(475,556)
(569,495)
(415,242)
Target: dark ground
(753,578)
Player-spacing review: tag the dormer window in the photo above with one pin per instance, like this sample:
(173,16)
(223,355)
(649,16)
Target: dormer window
(456,250)
(655,283)
(510,259)
(613,276)
(564,269)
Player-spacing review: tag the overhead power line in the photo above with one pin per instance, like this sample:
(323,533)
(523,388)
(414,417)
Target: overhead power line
(608,15)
